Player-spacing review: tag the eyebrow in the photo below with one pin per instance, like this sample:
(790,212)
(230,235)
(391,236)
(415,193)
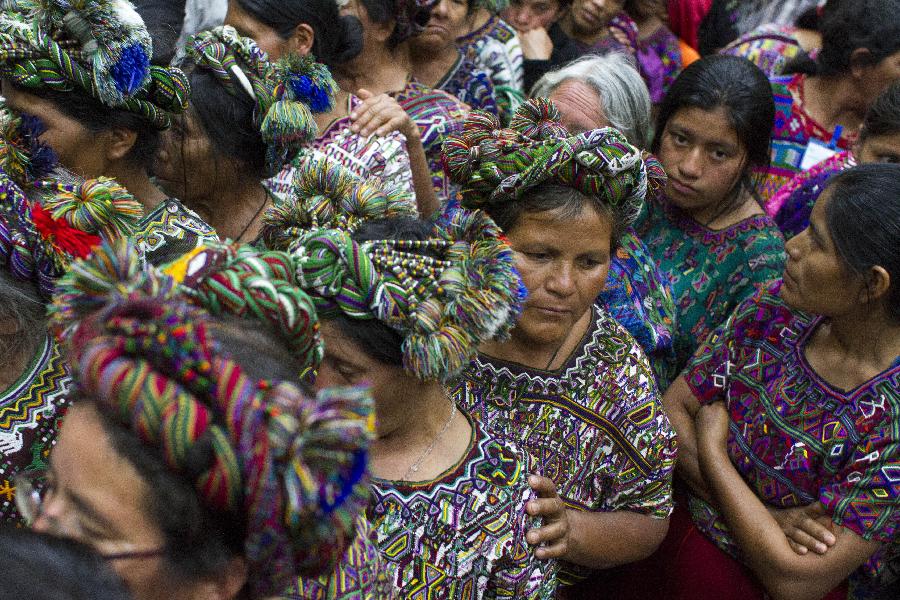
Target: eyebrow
(84,506)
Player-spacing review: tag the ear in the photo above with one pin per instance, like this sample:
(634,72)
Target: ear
(861,60)
(301,40)
(119,142)
(877,286)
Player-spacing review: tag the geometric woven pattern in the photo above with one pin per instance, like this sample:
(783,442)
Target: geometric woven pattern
(470,85)
(494,48)
(170,231)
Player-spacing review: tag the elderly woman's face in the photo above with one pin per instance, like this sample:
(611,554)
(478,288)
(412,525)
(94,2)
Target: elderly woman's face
(579,105)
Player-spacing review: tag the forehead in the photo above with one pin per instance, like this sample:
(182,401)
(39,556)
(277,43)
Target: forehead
(584,231)
(709,126)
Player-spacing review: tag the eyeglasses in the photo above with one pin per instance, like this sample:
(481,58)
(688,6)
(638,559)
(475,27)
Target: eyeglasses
(33,488)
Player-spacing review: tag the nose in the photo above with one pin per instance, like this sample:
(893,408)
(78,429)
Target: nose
(691,164)
(562,281)
(440,9)
(792,246)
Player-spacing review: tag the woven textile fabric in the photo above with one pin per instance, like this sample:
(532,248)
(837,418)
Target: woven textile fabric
(769,47)
(710,272)
(171,230)
(595,426)
(462,535)
(495,48)
(659,61)
(30,413)
(794,438)
(471,85)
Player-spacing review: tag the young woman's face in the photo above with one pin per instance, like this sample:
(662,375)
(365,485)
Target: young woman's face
(880,149)
(703,158)
(815,278)
(447,22)
(526,15)
(563,262)
(247,25)
(592,16)
(187,166)
(76,146)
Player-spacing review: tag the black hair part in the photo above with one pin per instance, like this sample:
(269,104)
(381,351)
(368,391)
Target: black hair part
(336,40)
(40,566)
(378,340)
(863,218)
(97,117)
(848,26)
(883,117)
(743,90)
(568,201)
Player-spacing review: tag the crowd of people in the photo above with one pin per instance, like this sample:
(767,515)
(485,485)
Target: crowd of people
(450,299)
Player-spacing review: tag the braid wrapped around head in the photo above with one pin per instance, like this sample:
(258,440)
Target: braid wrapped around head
(292,468)
(100,47)
(325,194)
(41,235)
(286,93)
(444,295)
(495,165)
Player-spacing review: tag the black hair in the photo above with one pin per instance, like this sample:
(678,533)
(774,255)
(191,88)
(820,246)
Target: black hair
(337,39)
(848,26)
(553,197)
(883,117)
(742,89)
(863,219)
(377,339)
(96,117)
(39,566)
(382,11)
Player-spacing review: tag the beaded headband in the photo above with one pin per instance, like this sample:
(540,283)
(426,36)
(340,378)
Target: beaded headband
(293,467)
(495,165)
(444,295)
(286,93)
(100,47)
(325,194)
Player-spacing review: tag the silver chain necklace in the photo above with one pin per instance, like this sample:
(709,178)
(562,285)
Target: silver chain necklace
(415,466)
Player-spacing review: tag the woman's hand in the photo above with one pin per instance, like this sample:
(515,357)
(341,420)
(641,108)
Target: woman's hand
(536,44)
(381,115)
(711,423)
(553,537)
(806,528)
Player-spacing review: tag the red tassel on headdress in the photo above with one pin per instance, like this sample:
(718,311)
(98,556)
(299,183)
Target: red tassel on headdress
(63,236)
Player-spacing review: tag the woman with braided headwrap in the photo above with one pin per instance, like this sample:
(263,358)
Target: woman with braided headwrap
(570,385)
(403,305)
(39,235)
(192,459)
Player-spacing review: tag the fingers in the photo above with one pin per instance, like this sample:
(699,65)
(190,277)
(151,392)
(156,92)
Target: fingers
(551,508)
(379,115)
(363,94)
(804,539)
(797,548)
(552,541)
(542,486)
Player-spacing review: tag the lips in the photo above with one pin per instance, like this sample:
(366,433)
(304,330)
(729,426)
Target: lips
(556,311)
(681,188)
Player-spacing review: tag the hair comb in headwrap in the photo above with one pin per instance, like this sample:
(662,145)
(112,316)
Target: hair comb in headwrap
(445,295)
(100,47)
(495,165)
(286,93)
(293,467)
(325,194)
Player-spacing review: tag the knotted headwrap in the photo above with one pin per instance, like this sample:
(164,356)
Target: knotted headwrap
(495,165)
(40,234)
(100,47)
(443,307)
(286,93)
(325,194)
(292,466)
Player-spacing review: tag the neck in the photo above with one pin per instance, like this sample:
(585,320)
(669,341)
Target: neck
(234,211)
(419,420)
(377,70)
(867,340)
(323,120)
(478,19)
(539,354)
(138,184)
(833,101)
(430,65)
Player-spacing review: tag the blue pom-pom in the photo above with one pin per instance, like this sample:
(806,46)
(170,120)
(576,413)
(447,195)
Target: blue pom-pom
(309,93)
(131,69)
(42,158)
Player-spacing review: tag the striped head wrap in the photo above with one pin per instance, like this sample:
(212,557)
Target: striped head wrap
(286,93)
(99,47)
(495,165)
(292,468)
(40,234)
(444,295)
(325,194)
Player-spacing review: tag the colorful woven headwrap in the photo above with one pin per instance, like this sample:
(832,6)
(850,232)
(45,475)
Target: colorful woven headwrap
(100,47)
(325,194)
(495,165)
(443,307)
(293,467)
(286,92)
(41,234)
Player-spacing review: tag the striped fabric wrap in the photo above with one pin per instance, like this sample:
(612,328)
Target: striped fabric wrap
(325,194)
(286,93)
(292,467)
(496,165)
(99,47)
(444,295)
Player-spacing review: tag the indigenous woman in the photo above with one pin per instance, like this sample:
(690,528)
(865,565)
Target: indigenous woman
(788,416)
(264,484)
(314,27)
(404,305)
(80,72)
(659,51)
(248,119)
(438,62)
(878,141)
(820,107)
(706,230)
(570,385)
(493,45)
(39,235)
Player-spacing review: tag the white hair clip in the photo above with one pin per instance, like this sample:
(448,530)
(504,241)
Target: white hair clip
(243,80)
